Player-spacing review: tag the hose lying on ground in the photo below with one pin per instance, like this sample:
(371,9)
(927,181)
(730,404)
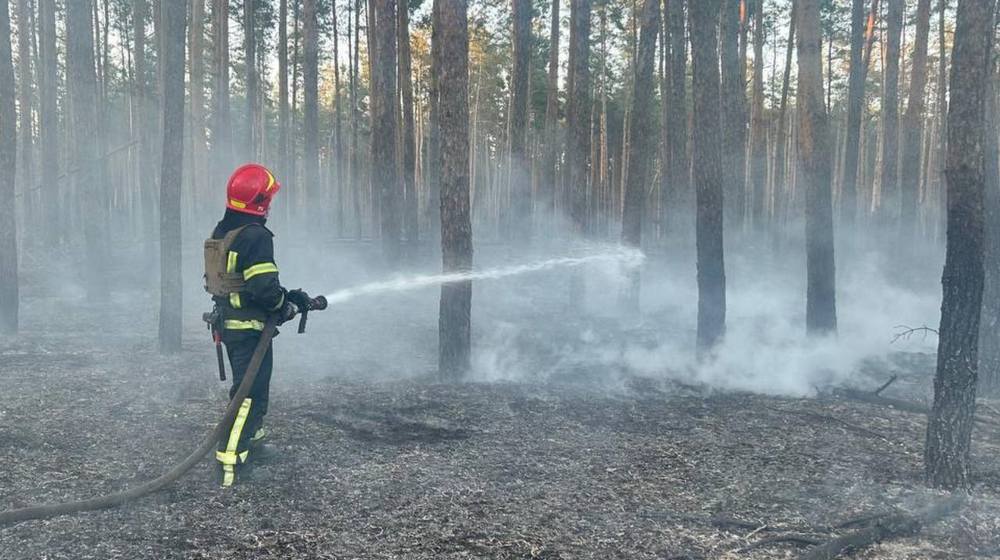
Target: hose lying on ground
(207,444)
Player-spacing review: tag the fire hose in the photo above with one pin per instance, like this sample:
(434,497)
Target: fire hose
(207,444)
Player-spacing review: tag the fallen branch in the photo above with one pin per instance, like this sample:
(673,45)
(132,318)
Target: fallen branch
(872,398)
(892,526)
(906,332)
(844,423)
(886,385)
(794,538)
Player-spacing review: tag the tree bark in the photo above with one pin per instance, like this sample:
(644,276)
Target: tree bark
(520,175)
(814,159)
(890,203)
(782,192)
(9,299)
(171,176)
(385,173)
(310,113)
(913,129)
(408,146)
(434,131)
(48,120)
(643,143)
(989,342)
(758,128)
(82,83)
(454,325)
(949,428)
(708,178)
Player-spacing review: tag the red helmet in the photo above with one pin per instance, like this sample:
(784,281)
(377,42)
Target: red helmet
(250,189)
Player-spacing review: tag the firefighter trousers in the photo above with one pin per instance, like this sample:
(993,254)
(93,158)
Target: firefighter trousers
(235,445)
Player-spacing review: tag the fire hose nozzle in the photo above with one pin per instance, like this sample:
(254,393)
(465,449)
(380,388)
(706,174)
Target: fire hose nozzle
(318,303)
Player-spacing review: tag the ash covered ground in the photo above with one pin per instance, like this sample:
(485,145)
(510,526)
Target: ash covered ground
(582,433)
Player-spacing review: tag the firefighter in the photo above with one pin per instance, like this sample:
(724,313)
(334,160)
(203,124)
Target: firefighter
(242,277)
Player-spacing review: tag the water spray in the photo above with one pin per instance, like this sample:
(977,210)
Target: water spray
(627,257)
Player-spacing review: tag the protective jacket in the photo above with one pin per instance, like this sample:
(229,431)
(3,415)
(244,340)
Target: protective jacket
(240,272)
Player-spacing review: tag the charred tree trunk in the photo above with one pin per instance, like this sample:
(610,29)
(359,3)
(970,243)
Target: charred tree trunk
(310,113)
(814,159)
(949,428)
(643,143)
(385,173)
(680,202)
(222,131)
(734,117)
(550,149)
(708,174)
(889,207)
(9,299)
(578,114)
(82,83)
(520,176)
(862,33)
(454,326)
(408,146)
(758,128)
(48,120)
(913,129)
(171,176)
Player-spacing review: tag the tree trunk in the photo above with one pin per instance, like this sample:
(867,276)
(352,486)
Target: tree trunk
(758,128)
(25,103)
(708,174)
(283,163)
(942,114)
(338,132)
(454,325)
(250,62)
(550,149)
(355,156)
(171,175)
(889,207)
(814,161)
(913,129)
(82,83)
(9,298)
(734,116)
(222,132)
(989,342)
(199,163)
(310,114)
(408,147)
(385,173)
(520,176)
(862,33)
(782,192)
(949,428)
(48,120)
(578,114)
(679,203)
(643,144)
(434,131)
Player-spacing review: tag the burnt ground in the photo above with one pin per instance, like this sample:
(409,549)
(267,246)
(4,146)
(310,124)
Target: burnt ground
(416,469)
(377,460)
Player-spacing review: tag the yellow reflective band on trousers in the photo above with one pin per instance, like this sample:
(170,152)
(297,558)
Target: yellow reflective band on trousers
(230,456)
(257,269)
(281,302)
(234,297)
(237,325)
